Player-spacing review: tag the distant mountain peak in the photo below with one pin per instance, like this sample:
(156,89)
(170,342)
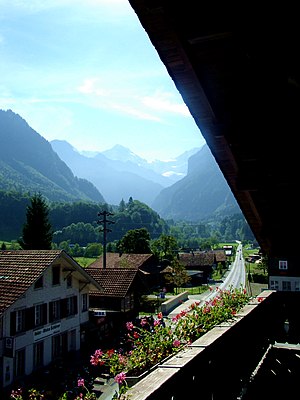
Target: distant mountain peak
(122,153)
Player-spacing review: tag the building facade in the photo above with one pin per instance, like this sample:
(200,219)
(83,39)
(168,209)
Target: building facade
(44,305)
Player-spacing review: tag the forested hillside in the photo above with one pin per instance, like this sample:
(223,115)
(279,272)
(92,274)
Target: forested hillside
(77,222)
(28,164)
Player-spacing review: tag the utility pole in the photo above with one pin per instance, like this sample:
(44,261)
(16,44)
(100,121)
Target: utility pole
(105,222)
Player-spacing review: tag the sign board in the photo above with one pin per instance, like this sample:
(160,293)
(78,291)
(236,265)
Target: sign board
(46,331)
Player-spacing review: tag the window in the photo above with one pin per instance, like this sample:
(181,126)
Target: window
(38,354)
(297,286)
(20,362)
(54,310)
(39,283)
(84,302)
(71,306)
(20,320)
(40,314)
(286,286)
(283,264)
(56,275)
(274,285)
(56,347)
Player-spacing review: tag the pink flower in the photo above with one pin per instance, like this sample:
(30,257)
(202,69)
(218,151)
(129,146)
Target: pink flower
(94,360)
(176,343)
(144,322)
(129,326)
(156,322)
(80,382)
(99,353)
(120,378)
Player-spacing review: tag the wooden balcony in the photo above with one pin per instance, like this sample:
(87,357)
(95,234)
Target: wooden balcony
(230,361)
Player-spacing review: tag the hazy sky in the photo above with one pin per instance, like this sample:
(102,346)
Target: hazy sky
(85,71)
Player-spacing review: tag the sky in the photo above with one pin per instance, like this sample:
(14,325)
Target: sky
(86,72)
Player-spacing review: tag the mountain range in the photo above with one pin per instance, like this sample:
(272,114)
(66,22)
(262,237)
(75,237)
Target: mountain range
(119,174)
(190,187)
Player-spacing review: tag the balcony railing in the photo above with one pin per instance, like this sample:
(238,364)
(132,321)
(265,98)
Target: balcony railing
(220,363)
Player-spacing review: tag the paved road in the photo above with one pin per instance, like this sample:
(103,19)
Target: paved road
(234,278)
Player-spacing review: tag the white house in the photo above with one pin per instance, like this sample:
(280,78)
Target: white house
(284,276)
(44,303)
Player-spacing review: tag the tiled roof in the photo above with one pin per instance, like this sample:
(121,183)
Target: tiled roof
(203,258)
(115,281)
(115,260)
(19,269)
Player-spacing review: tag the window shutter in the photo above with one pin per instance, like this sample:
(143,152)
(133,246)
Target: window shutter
(51,311)
(13,323)
(75,305)
(63,308)
(44,315)
(29,318)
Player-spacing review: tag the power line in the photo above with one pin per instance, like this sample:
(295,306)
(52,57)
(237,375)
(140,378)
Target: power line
(105,230)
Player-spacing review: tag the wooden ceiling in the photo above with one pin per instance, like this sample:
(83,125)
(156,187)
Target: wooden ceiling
(237,69)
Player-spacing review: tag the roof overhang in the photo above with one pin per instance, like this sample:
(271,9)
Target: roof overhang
(237,70)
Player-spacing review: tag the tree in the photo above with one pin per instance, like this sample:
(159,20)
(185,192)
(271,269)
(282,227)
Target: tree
(135,241)
(165,248)
(93,250)
(122,206)
(37,230)
(178,276)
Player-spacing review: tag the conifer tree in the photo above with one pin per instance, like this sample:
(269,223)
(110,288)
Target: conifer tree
(37,230)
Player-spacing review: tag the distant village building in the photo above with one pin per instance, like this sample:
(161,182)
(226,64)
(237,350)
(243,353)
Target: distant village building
(202,261)
(125,278)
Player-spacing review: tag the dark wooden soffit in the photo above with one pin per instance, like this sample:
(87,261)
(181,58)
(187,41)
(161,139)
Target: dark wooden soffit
(237,72)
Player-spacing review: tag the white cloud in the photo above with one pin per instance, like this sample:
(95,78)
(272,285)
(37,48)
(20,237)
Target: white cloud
(161,102)
(122,100)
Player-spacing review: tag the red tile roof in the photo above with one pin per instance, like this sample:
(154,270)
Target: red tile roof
(115,281)
(115,260)
(197,259)
(19,269)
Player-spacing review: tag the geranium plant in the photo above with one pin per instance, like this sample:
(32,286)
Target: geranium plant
(151,340)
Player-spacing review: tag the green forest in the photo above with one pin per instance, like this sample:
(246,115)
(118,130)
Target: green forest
(78,224)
